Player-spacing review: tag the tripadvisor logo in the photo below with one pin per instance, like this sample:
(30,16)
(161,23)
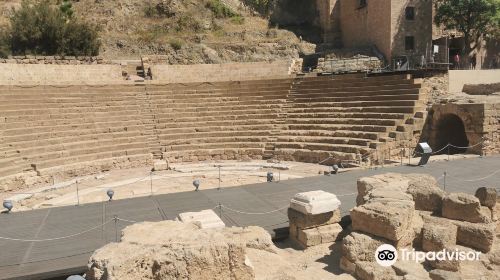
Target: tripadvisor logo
(387,255)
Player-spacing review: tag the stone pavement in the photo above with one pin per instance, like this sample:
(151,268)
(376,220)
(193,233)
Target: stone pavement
(40,258)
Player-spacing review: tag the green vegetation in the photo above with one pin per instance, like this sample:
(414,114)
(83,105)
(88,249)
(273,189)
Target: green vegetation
(474,18)
(41,28)
(219,9)
(176,44)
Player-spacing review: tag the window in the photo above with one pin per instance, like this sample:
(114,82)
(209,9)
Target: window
(410,13)
(409,43)
(362,3)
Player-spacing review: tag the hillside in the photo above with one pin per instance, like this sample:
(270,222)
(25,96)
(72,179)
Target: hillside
(187,31)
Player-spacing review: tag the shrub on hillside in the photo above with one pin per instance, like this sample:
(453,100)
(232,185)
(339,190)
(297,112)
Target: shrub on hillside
(42,28)
(219,9)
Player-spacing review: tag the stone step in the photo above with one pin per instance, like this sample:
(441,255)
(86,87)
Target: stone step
(399,103)
(382,122)
(34,124)
(33,151)
(70,133)
(335,133)
(312,156)
(221,145)
(348,88)
(207,140)
(321,147)
(81,151)
(214,154)
(214,128)
(70,127)
(366,128)
(70,166)
(31,143)
(14,169)
(51,111)
(378,109)
(349,115)
(325,140)
(165,138)
(334,98)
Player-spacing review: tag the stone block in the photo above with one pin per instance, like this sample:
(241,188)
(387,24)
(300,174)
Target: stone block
(487,196)
(329,233)
(373,271)
(439,274)
(304,221)
(410,268)
(436,237)
(389,220)
(426,193)
(475,235)
(463,207)
(319,235)
(308,237)
(315,202)
(347,266)
(203,219)
(160,165)
(361,247)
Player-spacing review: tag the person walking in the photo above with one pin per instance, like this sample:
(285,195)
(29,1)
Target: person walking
(456,58)
(473,62)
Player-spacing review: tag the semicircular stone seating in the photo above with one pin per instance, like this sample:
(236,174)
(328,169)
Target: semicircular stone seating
(76,130)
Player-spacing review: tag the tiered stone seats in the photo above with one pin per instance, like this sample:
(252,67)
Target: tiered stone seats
(71,130)
(80,130)
(342,116)
(232,120)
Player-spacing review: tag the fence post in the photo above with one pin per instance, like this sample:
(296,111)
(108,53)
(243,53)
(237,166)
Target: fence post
(448,151)
(219,178)
(77,193)
(151,183)
(116,227)
(409,155)
(444,180)
(401,153)
(220,210)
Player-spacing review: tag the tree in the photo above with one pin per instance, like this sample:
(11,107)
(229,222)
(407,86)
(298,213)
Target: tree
(45,29)
(473,18)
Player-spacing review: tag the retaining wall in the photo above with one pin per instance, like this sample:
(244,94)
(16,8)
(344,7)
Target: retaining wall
(459,78)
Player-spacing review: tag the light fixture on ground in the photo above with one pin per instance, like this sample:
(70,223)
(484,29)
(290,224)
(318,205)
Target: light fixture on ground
(335,169)
(270,176)
(110,194)
(7,204)
(426,151)
(196,184)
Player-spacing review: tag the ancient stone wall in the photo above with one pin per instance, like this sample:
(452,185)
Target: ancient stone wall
(59,60)
(50,74)
(459,78)
(366,26)
(481,126)
(384,25)
(412,212)
(221,72)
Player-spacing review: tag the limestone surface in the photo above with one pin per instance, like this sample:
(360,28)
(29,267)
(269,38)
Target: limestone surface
(174,250)
(487,196)
(203,219)
(464,207)
(390,220)
(315,202)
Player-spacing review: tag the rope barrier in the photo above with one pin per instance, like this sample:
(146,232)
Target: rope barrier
(56,238)
(248,213)
(483,178)
(128,221)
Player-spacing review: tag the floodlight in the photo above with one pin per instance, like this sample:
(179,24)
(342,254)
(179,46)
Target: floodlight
(110,194)
(270,176)
(196,184)
(7,204)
